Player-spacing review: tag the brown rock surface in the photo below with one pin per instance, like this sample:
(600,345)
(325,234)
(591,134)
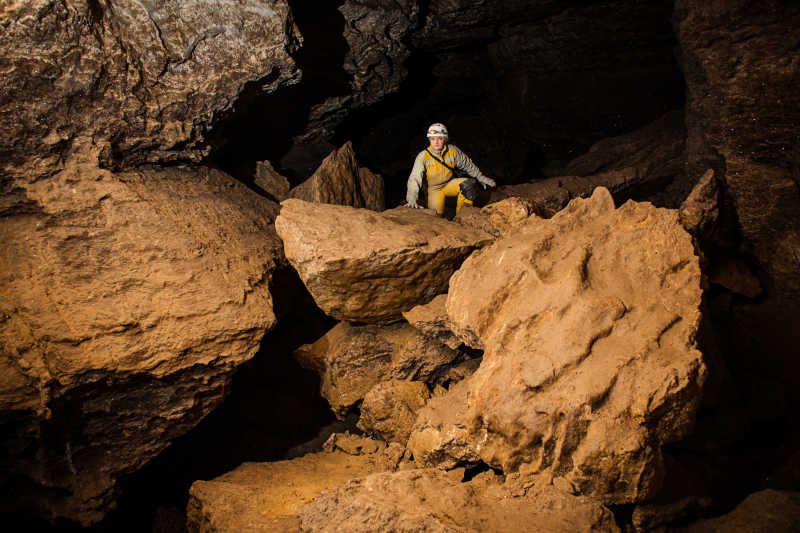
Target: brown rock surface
(588,321)
(339,180)
(390,408)
(142,79)
(768,510)
(273,183)
(363,266)
(351,360)
(128,302)
(497,218)
(431,319)
(265,497)
(433,501)
(700,211)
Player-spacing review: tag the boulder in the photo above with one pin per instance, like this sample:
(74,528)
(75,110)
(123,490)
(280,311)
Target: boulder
(700,211)
(363,266)
(270,181)
(142,79)
(129,300)
(339,180)
(588,321)
(431,500)
(431,320)
(390,408)
(497,218)
(351,360)
(265,497)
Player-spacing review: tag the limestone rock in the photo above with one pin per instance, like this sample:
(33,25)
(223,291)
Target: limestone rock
(431,500)
(431,319)
(273,183)
(390,408)
(700,210)
(351,360)
(497,218)
(339,180)
(363,266)
(588,321)
(128,302)
(440,436)
(143,79)
(265,497)
(767,510)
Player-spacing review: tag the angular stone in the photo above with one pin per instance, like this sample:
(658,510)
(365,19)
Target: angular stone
(390,408)
(431,319)
(273,183)
(128,302)
(340,181)
(265,497)
(588,320)
(431,500)
(351,360)
(700,211)
(363,266)
(497,218)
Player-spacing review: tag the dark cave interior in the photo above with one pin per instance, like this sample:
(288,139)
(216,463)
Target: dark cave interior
(518,124)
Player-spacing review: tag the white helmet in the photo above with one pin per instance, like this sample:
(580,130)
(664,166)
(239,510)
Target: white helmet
(437,130)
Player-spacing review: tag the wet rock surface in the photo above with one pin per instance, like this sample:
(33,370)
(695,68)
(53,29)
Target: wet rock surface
(363,266)
(586,365)
(351,360)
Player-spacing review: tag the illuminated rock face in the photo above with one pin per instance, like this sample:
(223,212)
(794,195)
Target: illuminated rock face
(588,322)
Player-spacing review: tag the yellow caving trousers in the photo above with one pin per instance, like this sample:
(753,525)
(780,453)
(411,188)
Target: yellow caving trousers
(438,193)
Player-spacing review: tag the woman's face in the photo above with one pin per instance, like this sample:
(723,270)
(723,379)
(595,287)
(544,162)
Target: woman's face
(437,143)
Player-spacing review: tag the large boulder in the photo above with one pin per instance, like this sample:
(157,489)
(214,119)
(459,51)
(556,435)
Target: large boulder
(434,501)
(265,497)
(588,321)
(431,319)
(351,360)
(128,302)
(142,79)
(363,266)
(339,180)
(390,408)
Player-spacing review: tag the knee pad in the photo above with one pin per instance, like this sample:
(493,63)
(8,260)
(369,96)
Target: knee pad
(469,189)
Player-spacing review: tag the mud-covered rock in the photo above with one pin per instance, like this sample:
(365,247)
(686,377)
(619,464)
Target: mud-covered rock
(432,500)
(363,266)
(588,321)
(351,360)
(390,408)
(431,319)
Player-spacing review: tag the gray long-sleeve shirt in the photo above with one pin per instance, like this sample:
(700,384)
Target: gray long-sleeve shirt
(454,158)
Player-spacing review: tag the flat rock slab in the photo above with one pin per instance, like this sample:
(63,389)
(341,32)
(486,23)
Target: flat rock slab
(434,501)
(363,266)
(588,321)
(265,497)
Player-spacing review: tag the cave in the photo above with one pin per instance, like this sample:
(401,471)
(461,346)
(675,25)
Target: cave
(219,313)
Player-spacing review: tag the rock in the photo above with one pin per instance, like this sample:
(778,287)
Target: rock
(129,300)
(363,266)
(431,500)
(390,408)
(431,319)
(265,497)
(440,437)
(273,183)
(497,218)
(767,510)
(351,360)
(588,321)
(143,80)
(339,180)
(700,211)
(736,276)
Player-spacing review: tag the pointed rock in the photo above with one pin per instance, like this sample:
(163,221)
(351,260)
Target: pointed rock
(339,180)
(273,183)
(588,320)
(363,266)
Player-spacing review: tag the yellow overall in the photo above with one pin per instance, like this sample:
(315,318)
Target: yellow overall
(441,182)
